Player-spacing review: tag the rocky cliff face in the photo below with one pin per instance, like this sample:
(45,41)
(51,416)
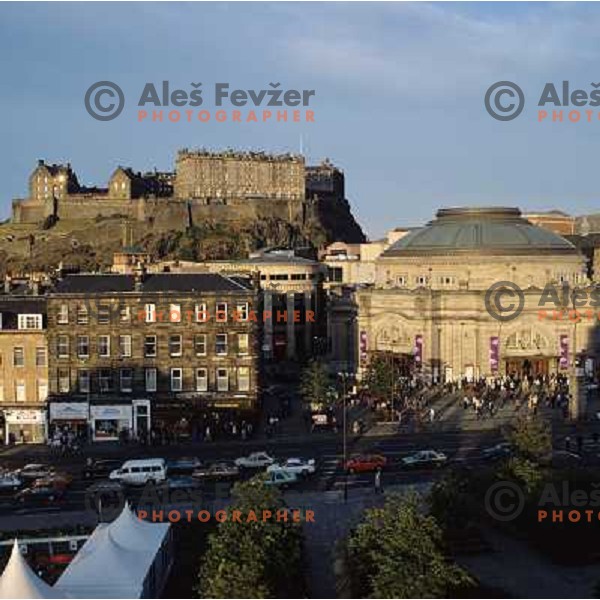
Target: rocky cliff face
(90,243)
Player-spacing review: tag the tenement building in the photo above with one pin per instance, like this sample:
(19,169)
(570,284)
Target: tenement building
(291,289)
(139,352)
(23,366)
(475,293)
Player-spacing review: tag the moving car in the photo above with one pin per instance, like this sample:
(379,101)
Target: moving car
(256,460)
(298,466)
(497,452)
(218,470)
(280,478)
(140,472)
(34,471)
(424,459)
(365,463)
(99,469)
(58,481)
(10,482)
(39,496)
(183,466)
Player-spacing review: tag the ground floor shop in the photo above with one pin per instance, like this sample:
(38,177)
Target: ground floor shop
(93,421)
(25,425)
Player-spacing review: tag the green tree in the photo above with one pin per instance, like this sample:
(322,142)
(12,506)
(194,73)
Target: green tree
(315,385)
(397,552)
(255,559)
(380,378)
(531,438)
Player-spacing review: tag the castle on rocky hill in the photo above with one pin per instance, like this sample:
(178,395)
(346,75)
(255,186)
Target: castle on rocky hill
(225,186)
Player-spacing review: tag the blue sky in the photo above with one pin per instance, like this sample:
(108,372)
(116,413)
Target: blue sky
(399,94)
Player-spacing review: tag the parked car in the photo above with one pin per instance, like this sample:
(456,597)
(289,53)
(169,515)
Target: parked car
(219,470)
(10,482)
(39,496)
(282,478)
(365,463)
(101,468)
(181,482)
(184,465)
(34,471)
(256,460)
(424,459)
(140,472)
(497,452)
(298,466)
(58,481)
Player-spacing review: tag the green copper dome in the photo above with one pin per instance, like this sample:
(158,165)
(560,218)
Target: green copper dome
(491,231)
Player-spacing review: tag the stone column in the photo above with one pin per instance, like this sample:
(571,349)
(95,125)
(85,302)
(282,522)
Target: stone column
(267,351)
(289,328)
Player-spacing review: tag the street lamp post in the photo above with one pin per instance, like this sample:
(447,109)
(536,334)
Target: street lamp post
(344,377)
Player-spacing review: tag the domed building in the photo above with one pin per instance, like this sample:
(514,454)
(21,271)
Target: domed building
(460,298)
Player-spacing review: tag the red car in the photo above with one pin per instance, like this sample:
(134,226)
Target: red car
(365,463)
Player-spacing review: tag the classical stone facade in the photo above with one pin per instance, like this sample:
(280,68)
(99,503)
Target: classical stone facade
(433,290)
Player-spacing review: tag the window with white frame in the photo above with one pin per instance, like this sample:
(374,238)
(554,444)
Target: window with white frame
(83,381)
(62,318)
(150,379)
(222,379)
(150,310)
(175,345)
(202,380)
(124,314)
(20,395)
(42,390)
(126,376)
(221,312)
(125,346)
(200,344)
(175,313)
(18,356)
(63,346)
(200,313)
(150,346)
(83,346)
(241,311)
(243,374)
(27,322)
(64,381)
(103,314)
(176,379)
(221,344)
(82,315)
(105,381)
(243,343)
(104,346)
(40,357)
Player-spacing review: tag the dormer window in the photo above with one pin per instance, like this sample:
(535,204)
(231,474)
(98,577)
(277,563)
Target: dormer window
(27,322)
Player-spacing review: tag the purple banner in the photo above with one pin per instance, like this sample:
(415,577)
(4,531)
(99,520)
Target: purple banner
(564,352)
(494,353)
(418,349)
(363,346)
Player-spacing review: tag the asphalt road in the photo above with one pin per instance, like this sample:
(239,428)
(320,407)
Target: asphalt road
(326,449)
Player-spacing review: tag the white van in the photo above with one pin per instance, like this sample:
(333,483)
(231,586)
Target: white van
(139,472)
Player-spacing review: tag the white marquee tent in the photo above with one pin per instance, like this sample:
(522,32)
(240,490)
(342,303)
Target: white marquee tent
(19,581)
(128,558)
